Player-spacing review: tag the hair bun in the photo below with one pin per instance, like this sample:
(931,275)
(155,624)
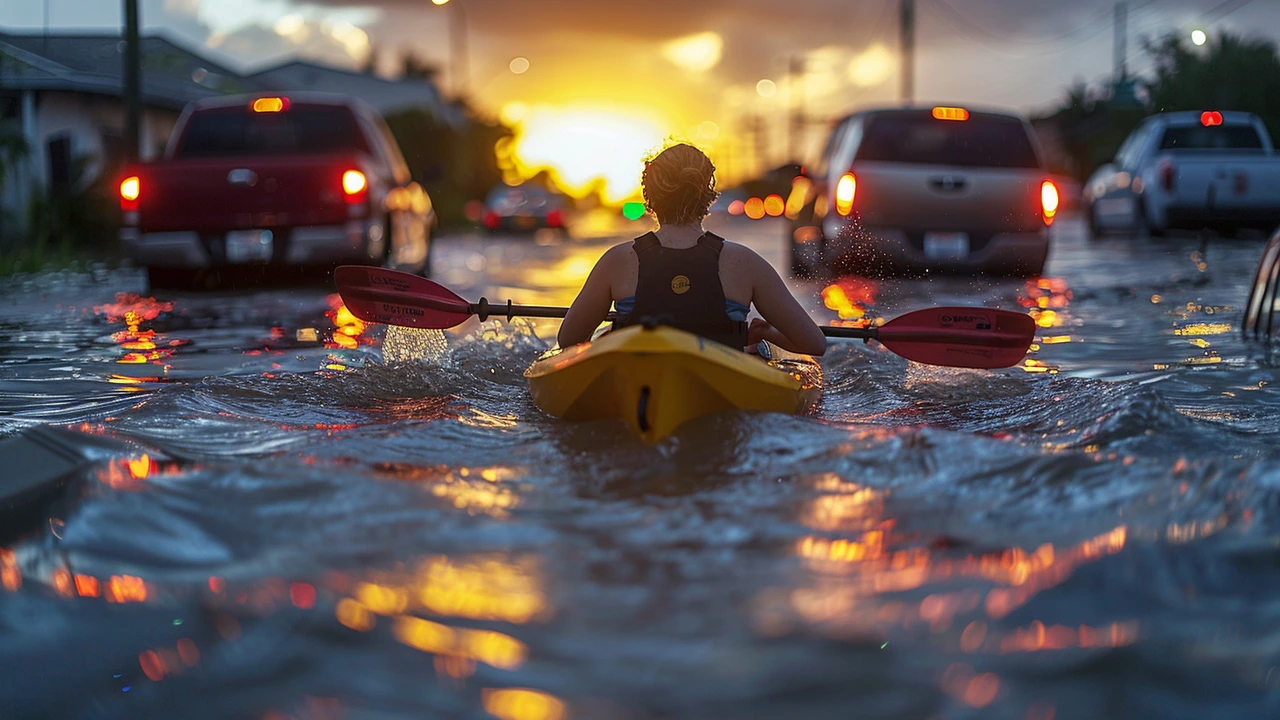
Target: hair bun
(679,184)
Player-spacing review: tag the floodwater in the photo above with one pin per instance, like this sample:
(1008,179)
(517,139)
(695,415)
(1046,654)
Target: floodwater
(307,518)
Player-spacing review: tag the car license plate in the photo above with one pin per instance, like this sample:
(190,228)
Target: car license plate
(525,221)
(946,246)
(249,246)
(1115,206)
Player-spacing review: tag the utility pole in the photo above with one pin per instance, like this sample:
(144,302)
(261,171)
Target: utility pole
(458,43)
(796,68)
(132,81)
(1122,39)
(907,48)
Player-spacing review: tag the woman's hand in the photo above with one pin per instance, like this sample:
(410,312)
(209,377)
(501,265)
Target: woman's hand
(760,330)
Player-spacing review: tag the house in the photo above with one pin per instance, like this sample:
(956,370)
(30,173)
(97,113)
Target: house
(387,96)
(63,95)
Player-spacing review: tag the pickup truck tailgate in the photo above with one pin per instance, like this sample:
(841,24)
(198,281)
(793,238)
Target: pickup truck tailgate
(938,197)
(216,195)
(1223,183)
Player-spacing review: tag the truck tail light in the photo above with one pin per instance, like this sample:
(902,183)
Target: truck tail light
(355,187)
(491,220)
(1048,201)
(846,189)
(1167,176)
(554,219)
(130,191)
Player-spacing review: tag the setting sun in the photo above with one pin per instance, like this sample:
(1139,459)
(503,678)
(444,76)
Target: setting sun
(584,146)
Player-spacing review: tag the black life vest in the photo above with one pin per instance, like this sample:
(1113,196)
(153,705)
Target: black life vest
(681,288)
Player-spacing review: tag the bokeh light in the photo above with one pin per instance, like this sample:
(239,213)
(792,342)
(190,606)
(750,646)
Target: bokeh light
(872,67)
(697,53)
(766,88)
(519,65)
(1199,37)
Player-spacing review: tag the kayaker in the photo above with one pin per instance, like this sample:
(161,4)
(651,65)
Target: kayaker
(685,277)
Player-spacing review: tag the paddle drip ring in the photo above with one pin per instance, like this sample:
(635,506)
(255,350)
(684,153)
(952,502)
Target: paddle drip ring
(1259,313)
(484,310)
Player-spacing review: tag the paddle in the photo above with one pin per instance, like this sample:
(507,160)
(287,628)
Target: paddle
(966,337)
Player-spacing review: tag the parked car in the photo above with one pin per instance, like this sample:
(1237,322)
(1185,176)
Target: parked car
(1189,170)
(302,180)
(523,207)
(912,190)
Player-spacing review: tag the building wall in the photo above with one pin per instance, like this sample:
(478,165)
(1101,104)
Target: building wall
(94,124)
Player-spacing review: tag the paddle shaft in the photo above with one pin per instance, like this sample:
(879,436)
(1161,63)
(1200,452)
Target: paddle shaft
(949,336)
(483,310)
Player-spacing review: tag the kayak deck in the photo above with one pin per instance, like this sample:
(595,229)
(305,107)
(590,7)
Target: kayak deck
(656,379)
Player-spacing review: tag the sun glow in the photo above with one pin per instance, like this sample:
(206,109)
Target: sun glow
(584,148)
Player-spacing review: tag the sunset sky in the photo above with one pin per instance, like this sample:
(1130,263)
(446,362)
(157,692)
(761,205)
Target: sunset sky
(625,74)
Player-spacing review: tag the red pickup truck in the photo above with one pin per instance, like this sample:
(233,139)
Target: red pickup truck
(304,180)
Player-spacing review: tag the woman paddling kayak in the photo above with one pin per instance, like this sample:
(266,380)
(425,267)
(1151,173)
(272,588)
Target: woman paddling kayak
(685,277)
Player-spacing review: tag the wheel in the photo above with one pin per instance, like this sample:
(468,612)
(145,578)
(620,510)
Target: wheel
(1142,222)
(800,266)
(1095,228)
(172,278)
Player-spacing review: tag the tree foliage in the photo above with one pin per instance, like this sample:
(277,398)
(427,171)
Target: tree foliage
(1228,73)
(455,165)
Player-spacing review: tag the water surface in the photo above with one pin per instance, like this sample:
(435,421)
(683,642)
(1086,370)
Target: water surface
(309,518)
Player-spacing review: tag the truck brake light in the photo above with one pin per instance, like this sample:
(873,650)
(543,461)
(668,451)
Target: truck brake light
(270,104)
(1049,201)
(130,190)
(1167,175)
(846,189)
(958,114)
(355,187)
(1209,118)
(554,219)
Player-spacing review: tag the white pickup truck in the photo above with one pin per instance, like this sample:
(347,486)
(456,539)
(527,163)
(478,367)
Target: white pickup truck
(1189,170)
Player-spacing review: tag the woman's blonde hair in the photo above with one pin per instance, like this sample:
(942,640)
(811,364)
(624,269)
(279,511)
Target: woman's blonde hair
(679,185)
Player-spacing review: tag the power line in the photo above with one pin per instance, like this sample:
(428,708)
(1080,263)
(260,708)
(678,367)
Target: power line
(1100,20)
(1222,9)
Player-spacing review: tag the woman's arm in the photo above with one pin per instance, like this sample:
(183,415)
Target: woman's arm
(592,304)
(786,324)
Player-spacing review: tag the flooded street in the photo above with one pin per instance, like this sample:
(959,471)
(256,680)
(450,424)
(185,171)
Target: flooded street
(293,515)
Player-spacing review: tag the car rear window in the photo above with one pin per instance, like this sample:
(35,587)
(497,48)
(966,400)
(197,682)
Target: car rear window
(1216,137)
(239,132)
(980,141)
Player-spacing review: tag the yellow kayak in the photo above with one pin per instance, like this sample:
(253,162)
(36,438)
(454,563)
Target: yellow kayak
(659,378)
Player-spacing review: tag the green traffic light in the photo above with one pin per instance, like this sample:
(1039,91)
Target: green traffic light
(633,210)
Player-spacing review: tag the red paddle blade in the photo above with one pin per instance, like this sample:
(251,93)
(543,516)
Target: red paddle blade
(960,336)
(398,298)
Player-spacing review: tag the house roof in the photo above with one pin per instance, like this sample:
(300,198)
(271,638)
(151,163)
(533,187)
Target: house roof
(172,75)
(385,94)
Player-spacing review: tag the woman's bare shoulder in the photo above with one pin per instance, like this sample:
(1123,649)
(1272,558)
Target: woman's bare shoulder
(742,256)
(618,256)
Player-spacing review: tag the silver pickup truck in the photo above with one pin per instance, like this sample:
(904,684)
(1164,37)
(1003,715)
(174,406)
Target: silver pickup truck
(1188,170)
(907,191)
